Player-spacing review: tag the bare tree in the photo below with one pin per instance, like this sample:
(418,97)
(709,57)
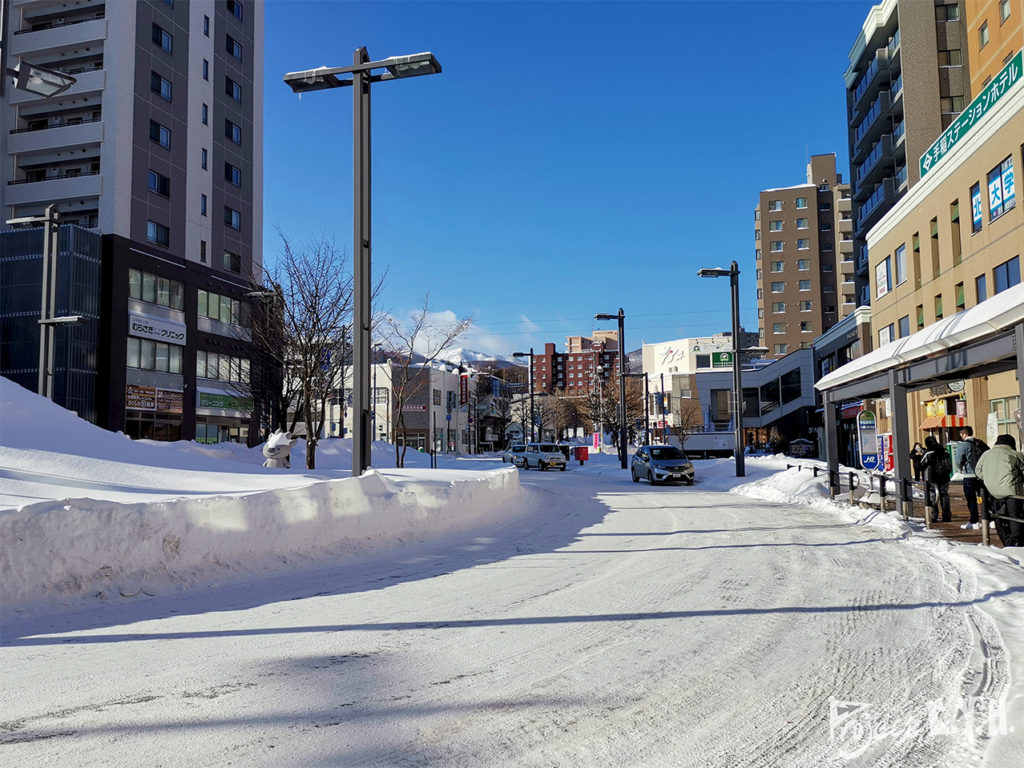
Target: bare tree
(415,346)
(689,418)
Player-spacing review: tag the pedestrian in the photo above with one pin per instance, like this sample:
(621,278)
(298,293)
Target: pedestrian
(968,452)
(1001,469)
(916,454)
(937,469)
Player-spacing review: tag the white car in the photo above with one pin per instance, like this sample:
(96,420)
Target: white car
(544,455)
(514,455)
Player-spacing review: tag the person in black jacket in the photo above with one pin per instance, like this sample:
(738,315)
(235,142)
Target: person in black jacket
(937,468)
(916,453)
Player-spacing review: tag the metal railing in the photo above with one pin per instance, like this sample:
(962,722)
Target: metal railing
(63,124)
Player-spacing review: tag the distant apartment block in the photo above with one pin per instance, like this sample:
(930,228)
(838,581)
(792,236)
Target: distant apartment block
(908,79)
(804,256)
(588,363)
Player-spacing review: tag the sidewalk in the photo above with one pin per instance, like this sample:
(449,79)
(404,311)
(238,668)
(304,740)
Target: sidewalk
(952,530)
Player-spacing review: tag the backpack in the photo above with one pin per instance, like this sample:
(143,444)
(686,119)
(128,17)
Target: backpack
(942,469)
(975,448)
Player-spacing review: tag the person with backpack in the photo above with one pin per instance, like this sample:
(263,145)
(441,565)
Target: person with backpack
(968,452)
(937,468)
(1001,468)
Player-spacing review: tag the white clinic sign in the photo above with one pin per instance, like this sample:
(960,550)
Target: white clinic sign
(156,328)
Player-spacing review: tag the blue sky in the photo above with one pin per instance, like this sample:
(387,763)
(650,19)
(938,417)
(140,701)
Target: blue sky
(572,157)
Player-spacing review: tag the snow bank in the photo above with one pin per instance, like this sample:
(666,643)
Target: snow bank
(94,547)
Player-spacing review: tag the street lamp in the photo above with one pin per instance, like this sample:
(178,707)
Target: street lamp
(361,75)
(621,317)
(733,273)
(40,81)
(530,355)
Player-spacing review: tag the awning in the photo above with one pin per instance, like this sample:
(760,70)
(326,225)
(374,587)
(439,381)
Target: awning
(936,422)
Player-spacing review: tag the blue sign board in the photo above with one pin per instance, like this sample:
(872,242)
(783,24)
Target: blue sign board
(867,436)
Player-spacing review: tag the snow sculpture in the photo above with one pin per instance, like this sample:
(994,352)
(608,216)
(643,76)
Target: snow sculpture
(278,449)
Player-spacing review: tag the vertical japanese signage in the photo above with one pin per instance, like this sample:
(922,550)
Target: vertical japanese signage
(463,389)
(1008,77)
(976,208)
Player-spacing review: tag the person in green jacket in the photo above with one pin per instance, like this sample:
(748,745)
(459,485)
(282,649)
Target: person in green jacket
(1001,469)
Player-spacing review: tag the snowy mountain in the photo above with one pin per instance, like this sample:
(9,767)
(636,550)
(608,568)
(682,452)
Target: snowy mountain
(461,355)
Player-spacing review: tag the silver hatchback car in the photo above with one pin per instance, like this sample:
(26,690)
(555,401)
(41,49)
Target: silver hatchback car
(660,464)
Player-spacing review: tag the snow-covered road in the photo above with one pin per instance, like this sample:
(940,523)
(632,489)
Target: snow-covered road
(606,624)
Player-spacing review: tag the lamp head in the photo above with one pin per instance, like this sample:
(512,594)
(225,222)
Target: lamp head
(413,65)
(714,272)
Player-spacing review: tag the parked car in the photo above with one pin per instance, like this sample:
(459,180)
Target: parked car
(515,455)
(660,464)
(544,455)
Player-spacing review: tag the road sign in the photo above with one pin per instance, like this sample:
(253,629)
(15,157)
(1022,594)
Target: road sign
(448,417)
(867,434)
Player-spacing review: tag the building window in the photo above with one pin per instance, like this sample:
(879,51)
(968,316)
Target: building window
(781,349)
(233,174)
(803,244)
(805,306)
(160,85)
(961,300)
(805,285)
(801,202)
(202,205)
(904,326)
(232,132)
(150,355)
(947,12)
(757,254)
(950,105)
(983,36)
(235,8)
(775,225)
(774,205)
(952,58)
(232,89)
(162,38)
(202,251)
(232,262)
(980,292)
(778,327)
(900,263)
(976,213)
(233,47)
(206,25)
(802,224)
(437,397)
(158,233)
(920,316)
(1004,10)
(1001,191)
(777,246)
(232,218)
(778,266)
(938,307)
(806,326)
(221,367)
(883,277)
(803,265)
(145,286)
(757,214)
(778,287)
(1006,275)
(778,307)
(159,184)
(206,69)
(206,114)
(885,335)
(825,205)
(760,273)
(223,309)
(203,155)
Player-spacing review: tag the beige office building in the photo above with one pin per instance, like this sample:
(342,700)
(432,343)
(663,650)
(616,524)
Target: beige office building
(954,241)
(995,32)
(804,254)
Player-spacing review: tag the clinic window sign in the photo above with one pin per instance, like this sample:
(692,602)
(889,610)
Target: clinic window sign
(156,328)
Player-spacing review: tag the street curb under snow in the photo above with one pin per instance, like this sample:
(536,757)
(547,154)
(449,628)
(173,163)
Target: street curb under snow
(105,548)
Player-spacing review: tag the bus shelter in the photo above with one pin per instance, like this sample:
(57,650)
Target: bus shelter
(984,340)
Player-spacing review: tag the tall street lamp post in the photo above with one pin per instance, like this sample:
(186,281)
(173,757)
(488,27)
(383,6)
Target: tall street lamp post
(361,76)
(621,317)
(530,355)
(733,273)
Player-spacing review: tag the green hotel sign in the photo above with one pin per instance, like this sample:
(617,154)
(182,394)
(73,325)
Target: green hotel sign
(1007,78)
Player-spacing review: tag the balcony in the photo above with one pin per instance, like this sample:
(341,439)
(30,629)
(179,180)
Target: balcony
(55,137)
(76,33)
(878,161)
(54,189)
(872,126)
(879,65)
(884,192)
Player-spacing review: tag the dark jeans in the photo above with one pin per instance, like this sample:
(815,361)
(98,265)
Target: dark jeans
(943,500)
(972,487)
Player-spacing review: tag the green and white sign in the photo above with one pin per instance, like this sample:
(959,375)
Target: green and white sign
(224,402)
(721,359)
(1006,79)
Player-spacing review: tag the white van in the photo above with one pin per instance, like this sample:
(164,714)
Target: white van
(544,455)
